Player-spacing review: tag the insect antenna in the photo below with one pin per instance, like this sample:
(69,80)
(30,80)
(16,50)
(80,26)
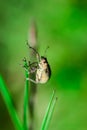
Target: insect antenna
(46,51)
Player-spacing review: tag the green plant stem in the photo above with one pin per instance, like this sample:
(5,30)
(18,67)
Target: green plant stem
(9,104)
(26,97)
(47,112)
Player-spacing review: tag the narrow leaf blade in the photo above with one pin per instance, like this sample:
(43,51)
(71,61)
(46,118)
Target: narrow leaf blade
(47,112)
(50,114)
(26,99)
(8,101)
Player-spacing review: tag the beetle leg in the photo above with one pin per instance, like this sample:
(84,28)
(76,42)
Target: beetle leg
(33,67)
(37,54)
(30,64)
(31,80)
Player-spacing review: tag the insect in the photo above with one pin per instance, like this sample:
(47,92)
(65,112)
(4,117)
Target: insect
(41,68)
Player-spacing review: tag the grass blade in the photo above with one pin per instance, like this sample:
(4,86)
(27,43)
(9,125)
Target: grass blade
(50,114)
(9,104)
(43,127)
(26,97)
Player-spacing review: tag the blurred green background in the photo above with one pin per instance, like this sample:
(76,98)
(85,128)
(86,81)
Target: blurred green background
(62,24)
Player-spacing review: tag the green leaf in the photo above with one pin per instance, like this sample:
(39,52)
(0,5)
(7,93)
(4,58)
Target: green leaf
(7,98)
(49,113)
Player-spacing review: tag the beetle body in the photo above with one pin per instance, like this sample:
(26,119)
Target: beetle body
(43,72)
